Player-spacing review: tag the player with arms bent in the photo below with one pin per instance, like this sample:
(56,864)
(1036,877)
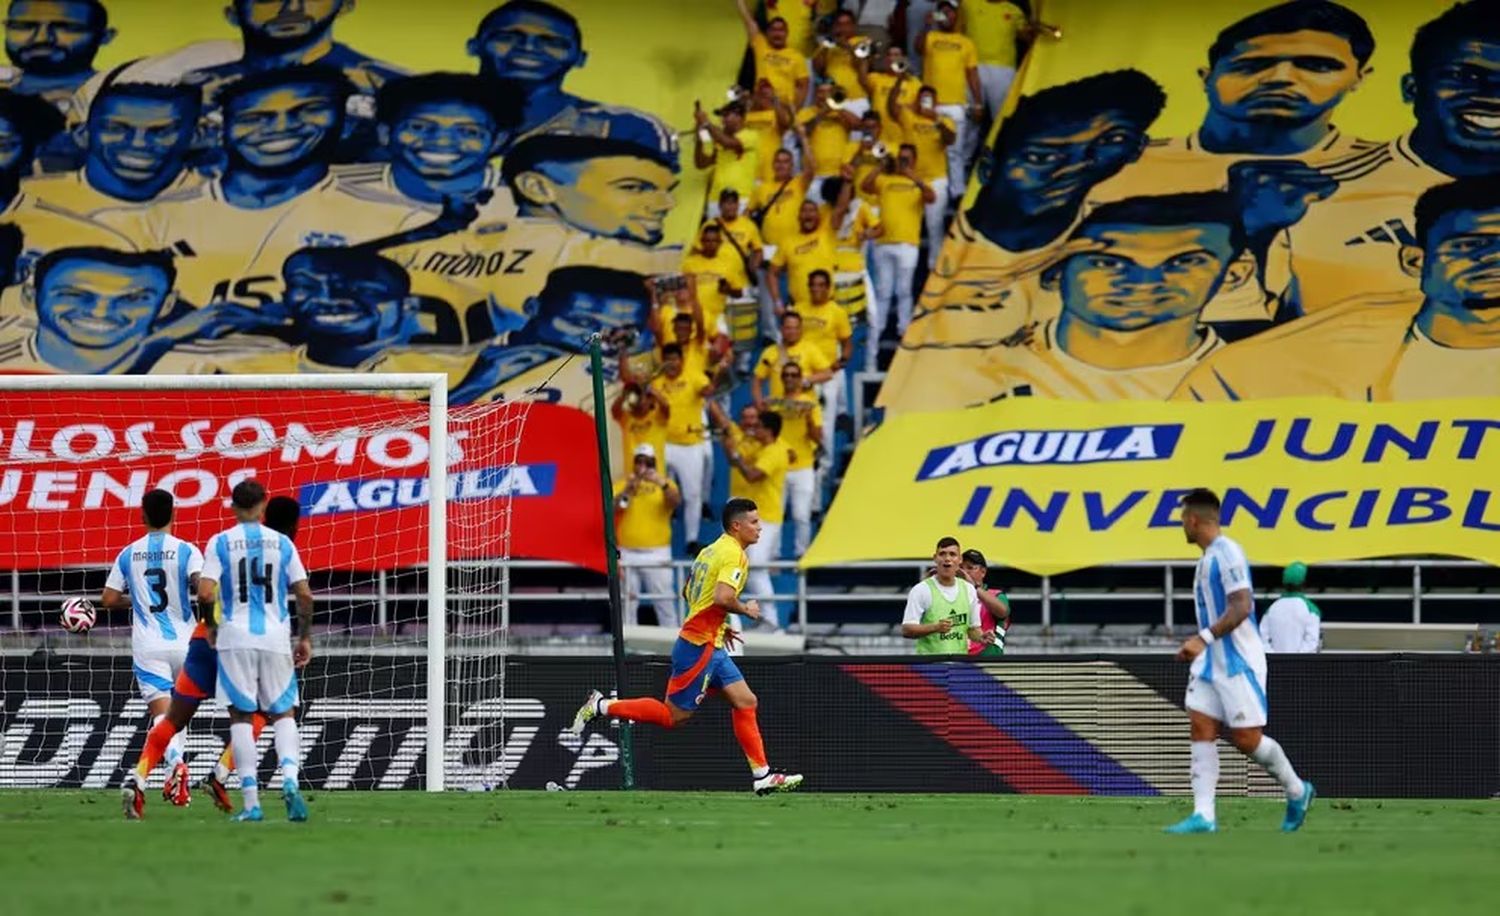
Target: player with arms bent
(1226,685)
(160,572)
(700,661)
(256,568)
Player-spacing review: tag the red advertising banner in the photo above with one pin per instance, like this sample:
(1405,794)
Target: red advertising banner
(523,478)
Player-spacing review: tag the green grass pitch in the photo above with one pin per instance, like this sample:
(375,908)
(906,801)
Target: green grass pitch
(65,852)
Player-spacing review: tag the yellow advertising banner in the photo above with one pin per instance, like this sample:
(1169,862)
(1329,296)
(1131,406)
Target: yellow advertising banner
(1052,486)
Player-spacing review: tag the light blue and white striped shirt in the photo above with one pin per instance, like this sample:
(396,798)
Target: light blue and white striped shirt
(256,568)
(157,571)
(1221,572)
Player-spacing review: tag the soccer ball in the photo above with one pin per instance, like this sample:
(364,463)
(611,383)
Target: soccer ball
(77,615)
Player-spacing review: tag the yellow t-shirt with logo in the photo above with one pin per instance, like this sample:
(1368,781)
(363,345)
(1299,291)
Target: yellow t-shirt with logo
(839,66)
(901,208)
(808,357)
(650,429)
(927,136)
(994,28)
(826,327)
(684,397)
(947,58)
(801,427)
(881,86)
(763,123)
(780,221)
(804,252)
(744,232)
(647,522)
(727,265)
(722,561)
(736,170)
(782,68)
(828,140)
(769,493)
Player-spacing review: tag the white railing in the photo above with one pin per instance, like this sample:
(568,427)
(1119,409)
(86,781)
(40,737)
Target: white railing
(382,593)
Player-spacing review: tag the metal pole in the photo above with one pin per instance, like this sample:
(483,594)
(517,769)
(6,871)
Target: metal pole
(1416,593)
(381,596)
(437,582)
(1046,603)
(15,599)
(1166,590)
(506,571)
(802,600)
(611,554)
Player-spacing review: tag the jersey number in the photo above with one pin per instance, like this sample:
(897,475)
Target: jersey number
(257,573)
(156,578)
(695,581)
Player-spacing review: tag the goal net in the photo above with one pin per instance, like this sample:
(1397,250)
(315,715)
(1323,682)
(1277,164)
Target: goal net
(411,622)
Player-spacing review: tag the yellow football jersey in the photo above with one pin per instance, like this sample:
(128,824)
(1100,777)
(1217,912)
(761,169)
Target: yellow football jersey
(994,28)
(828,141)
(726,265)
(801,253)
(1338,352)
(826,327)
(881,86)
(636,430)
(946,59)
(737,170)
(647,522)
(927,136)
(722,561)
(901,209)
(779,203)
(1040,368)
(748,447)
(744,232)
(782,68)
(46,226)
(684,397)
(839,66)
(807,355)
(254,357)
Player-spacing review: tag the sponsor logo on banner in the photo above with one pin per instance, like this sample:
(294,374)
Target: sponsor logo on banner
(75,472)
(1064,485)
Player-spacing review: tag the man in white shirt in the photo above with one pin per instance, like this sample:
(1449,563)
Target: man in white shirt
(942,611)
(1292,622)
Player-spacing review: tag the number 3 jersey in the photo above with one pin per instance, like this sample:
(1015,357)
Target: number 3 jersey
(157,572)
(256,569)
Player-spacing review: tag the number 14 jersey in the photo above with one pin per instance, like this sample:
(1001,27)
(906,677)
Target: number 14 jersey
(256,569)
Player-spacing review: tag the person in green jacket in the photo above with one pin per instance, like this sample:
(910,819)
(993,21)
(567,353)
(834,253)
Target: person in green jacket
(942,611)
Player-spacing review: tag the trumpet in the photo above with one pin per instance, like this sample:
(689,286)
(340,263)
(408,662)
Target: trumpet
(827,43)
(1054,31)
(880,150)
(864,48)
(735,93)
(898,66)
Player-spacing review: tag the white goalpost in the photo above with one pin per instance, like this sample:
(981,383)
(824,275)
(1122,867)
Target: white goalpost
(80,451)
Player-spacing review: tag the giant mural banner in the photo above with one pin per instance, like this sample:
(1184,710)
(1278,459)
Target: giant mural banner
(474,187)
(1191,206)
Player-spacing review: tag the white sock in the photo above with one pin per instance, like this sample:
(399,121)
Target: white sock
(601,706)
(242,739)
(1270,755)
(1205,772)
(288,750)
(221,772)
(174,748)
(759,772)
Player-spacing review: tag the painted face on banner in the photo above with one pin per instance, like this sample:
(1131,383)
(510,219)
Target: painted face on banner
(568,325)
(1056,166)
(284,21)
(528,46)
(1461,263)
(329,299)
(623,197)
(140,140)
(51,37)
(443,139)
(1296,77)
(282,127)
(1148,275)
(1461,94)
(99,306)
(12,146)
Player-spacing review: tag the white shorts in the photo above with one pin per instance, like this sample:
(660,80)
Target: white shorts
(156,670)
(257,679)
(1238,701)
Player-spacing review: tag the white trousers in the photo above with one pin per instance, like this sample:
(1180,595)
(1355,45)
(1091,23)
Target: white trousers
(932,217)
(758,585)
(895,274)
(831,393)
(961,150)
(688,463)
(801,485)
(648,571)
(994,82)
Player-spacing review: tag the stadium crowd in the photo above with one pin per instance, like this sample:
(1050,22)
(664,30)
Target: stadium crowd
(833,167)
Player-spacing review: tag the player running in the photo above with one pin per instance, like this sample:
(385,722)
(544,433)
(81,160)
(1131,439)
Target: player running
(160,573)
(194,682)
(1227,681)
(700,662)
(257,568)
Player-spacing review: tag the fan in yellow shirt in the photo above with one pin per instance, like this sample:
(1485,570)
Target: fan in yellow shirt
(996,27)
(802,431)
(765,484)
(864,158)
(732,152)
(828,125)
(851,275)
(769,120)
(643,421)
(950,60)
(644,503)
(840,58)
(776,59)
(903,197)
(718,273)
(739,232)
(824,323)
(792,349)
(777,203)
(813,247)
(893,80)
(677,317)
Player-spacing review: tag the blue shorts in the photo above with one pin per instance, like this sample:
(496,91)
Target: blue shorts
(696,670)
(200,672)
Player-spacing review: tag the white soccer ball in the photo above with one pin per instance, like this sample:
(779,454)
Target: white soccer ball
(78,615)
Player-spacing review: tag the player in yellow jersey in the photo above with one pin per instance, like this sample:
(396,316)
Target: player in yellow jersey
(775,59)
(1130,326)
(802,431)
(700,660)
(1440,341)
